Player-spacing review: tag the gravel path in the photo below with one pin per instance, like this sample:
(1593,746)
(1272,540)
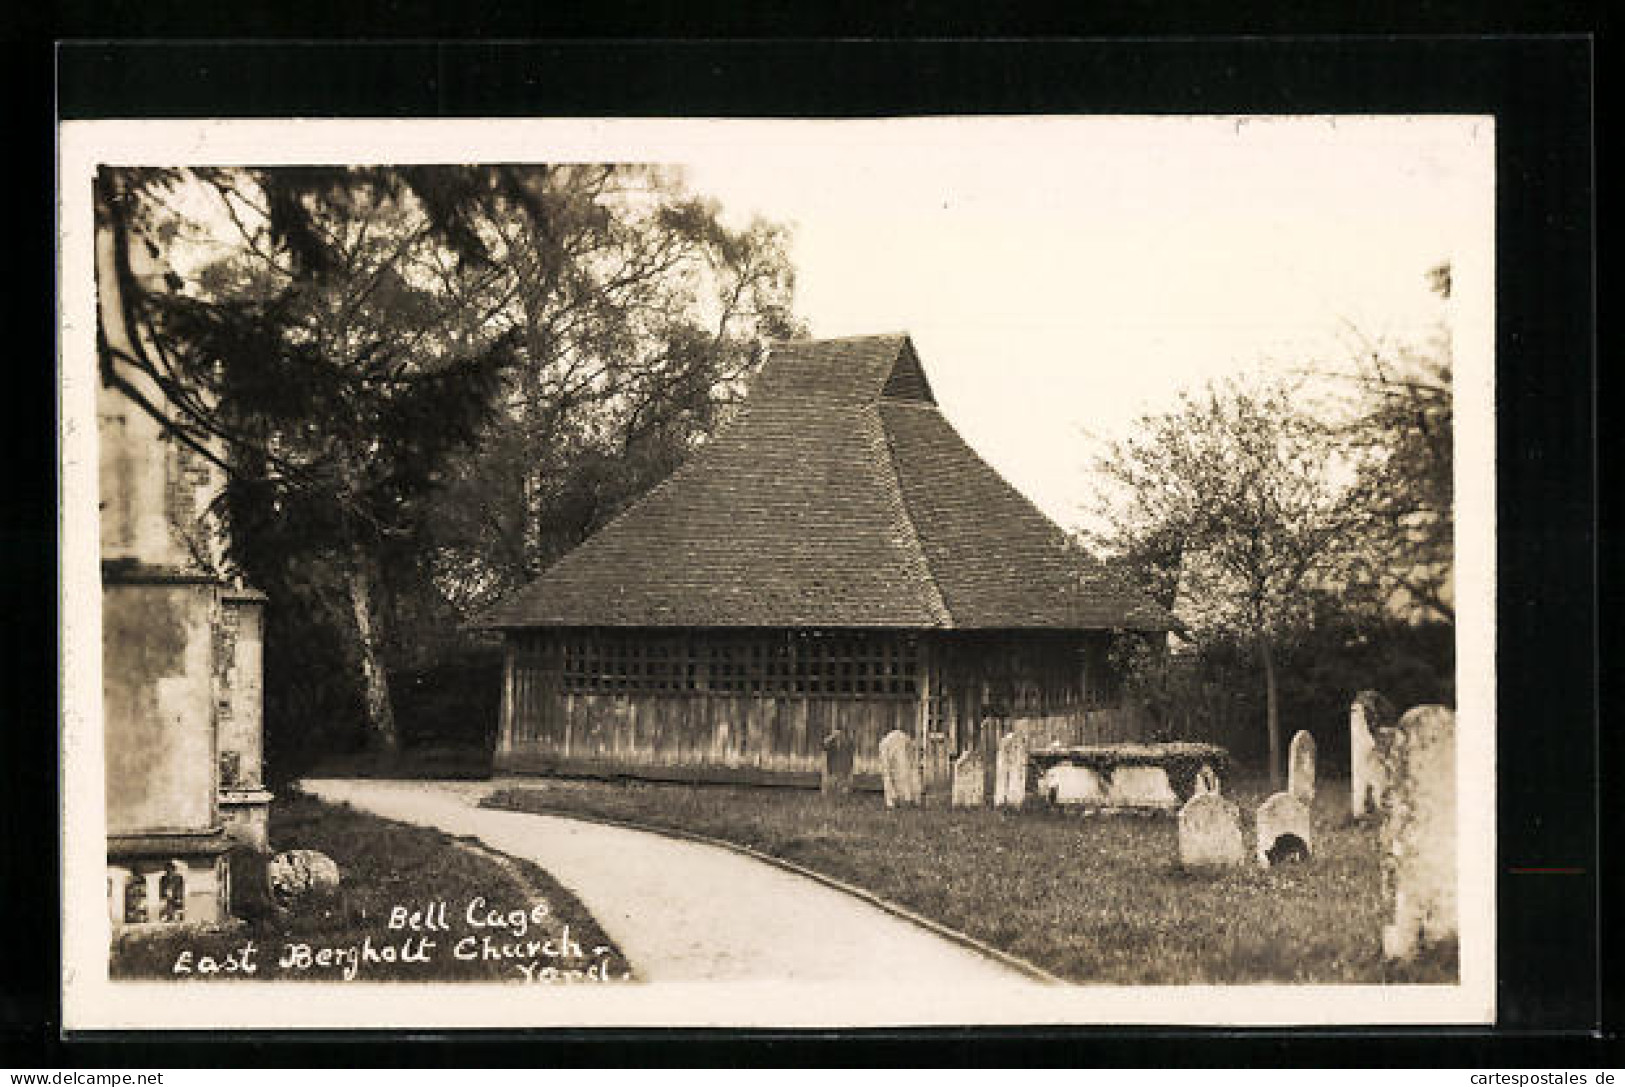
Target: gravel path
(684,911)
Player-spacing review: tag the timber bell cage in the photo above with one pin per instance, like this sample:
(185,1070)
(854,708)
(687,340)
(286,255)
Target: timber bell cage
(836,556)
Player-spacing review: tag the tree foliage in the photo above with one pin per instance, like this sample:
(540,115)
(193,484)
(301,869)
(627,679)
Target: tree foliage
(425,382)
(1309,538)
(1230,507)
(320,366)
(1402,428)
(638,313)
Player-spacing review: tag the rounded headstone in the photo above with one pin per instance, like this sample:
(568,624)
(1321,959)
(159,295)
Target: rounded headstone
(1210,834)
(1285,831)
(1301,767)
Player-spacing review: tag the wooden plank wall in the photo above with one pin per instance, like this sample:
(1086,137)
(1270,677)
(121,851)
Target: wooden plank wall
(760,736)
(693,729)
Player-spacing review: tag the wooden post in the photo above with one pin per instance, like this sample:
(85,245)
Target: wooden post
(924,726)
(505,715)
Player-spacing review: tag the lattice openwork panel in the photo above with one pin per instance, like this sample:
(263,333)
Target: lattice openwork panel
(777,664)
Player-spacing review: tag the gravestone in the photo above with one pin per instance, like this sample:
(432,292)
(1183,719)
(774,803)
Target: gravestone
(1300,774)
(1418,838)
(295,874)
(1210,834)
(1206,782)
(1285,831)
(1371,720)
(900,769)
(837,779)
(969,779)
(1010,783)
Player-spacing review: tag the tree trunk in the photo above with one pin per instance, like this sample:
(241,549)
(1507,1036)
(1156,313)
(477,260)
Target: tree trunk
(380,711)
(1272,709)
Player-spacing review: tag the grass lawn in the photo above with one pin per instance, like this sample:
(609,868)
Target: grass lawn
(504,918)
(1092,899)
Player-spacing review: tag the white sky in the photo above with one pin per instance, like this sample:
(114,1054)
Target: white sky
(1062,276)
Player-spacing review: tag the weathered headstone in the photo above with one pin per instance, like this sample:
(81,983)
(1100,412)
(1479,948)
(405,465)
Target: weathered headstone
(295,874)
(1010,784)
(1419,833)
(1285,830)
(969,779)
(900,769)
(1206,782)
(1210,834)
(1371,718)
(837,778)
(1300,774)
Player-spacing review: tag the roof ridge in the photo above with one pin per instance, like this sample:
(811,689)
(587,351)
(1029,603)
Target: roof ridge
(899,335)
(936,600)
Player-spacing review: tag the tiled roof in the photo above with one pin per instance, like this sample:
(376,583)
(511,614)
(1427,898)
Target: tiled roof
(840,497)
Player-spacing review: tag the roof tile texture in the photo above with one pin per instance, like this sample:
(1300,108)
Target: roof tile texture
(839,497)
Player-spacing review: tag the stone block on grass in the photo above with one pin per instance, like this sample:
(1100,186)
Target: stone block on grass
(298,875)
(1143,788)
(1068,784)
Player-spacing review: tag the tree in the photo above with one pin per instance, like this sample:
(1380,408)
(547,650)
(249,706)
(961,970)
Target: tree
(1402,431)
(637,314)
(427,382)
(1233,501)
(319,367)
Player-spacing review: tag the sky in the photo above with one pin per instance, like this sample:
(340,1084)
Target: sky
(1060,277)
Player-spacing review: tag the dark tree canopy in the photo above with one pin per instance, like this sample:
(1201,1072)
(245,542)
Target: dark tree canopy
(425,382)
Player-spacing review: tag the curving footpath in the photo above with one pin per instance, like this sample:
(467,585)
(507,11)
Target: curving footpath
(683,910)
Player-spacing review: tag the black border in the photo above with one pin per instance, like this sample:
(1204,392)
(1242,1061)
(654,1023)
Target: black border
(1539,89)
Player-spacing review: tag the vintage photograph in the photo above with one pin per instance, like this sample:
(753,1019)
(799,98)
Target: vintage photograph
(754,573)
